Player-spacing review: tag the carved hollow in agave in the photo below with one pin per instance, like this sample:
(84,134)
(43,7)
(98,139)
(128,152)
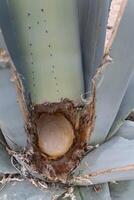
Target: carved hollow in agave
(57,134)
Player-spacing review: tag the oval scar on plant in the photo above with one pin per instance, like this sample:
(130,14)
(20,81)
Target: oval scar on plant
(58,134)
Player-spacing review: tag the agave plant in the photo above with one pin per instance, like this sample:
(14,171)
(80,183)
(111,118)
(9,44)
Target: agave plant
(66,79)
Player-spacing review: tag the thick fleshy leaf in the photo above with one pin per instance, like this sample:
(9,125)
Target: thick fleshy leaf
(89,193)
(126,130)
(11,119)
(5,163)
(112,161)
(25,190)
(123,190)
(93,15)
(43,40)
(125,108)
(115,77)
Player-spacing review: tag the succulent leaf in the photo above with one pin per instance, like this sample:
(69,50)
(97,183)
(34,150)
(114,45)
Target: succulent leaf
(122,190)
(25,190)
(5,161)
(93,15)
(11,118)
(114,78)
(126,130)
(112,161)
(126,107)
(46,47)
(98,192)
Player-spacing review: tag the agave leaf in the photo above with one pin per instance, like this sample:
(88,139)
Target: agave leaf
(125,108)
(5,163)
(126,130)
(25,190)
(123,190)
(93,19)
(93,15)
(89,193)
(11,119)
(43,40)
(112,161)
(115,77)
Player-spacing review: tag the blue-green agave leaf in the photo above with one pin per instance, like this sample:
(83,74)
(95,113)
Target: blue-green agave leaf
(89,193)
(5,162)
(123,190)
(43,40)
(93,15)
(26,191)
(112,161)
(115,77)
(11,118)
(125,108)
(126,130)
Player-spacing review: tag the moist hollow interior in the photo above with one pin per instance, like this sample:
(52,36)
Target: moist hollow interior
(55,134)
